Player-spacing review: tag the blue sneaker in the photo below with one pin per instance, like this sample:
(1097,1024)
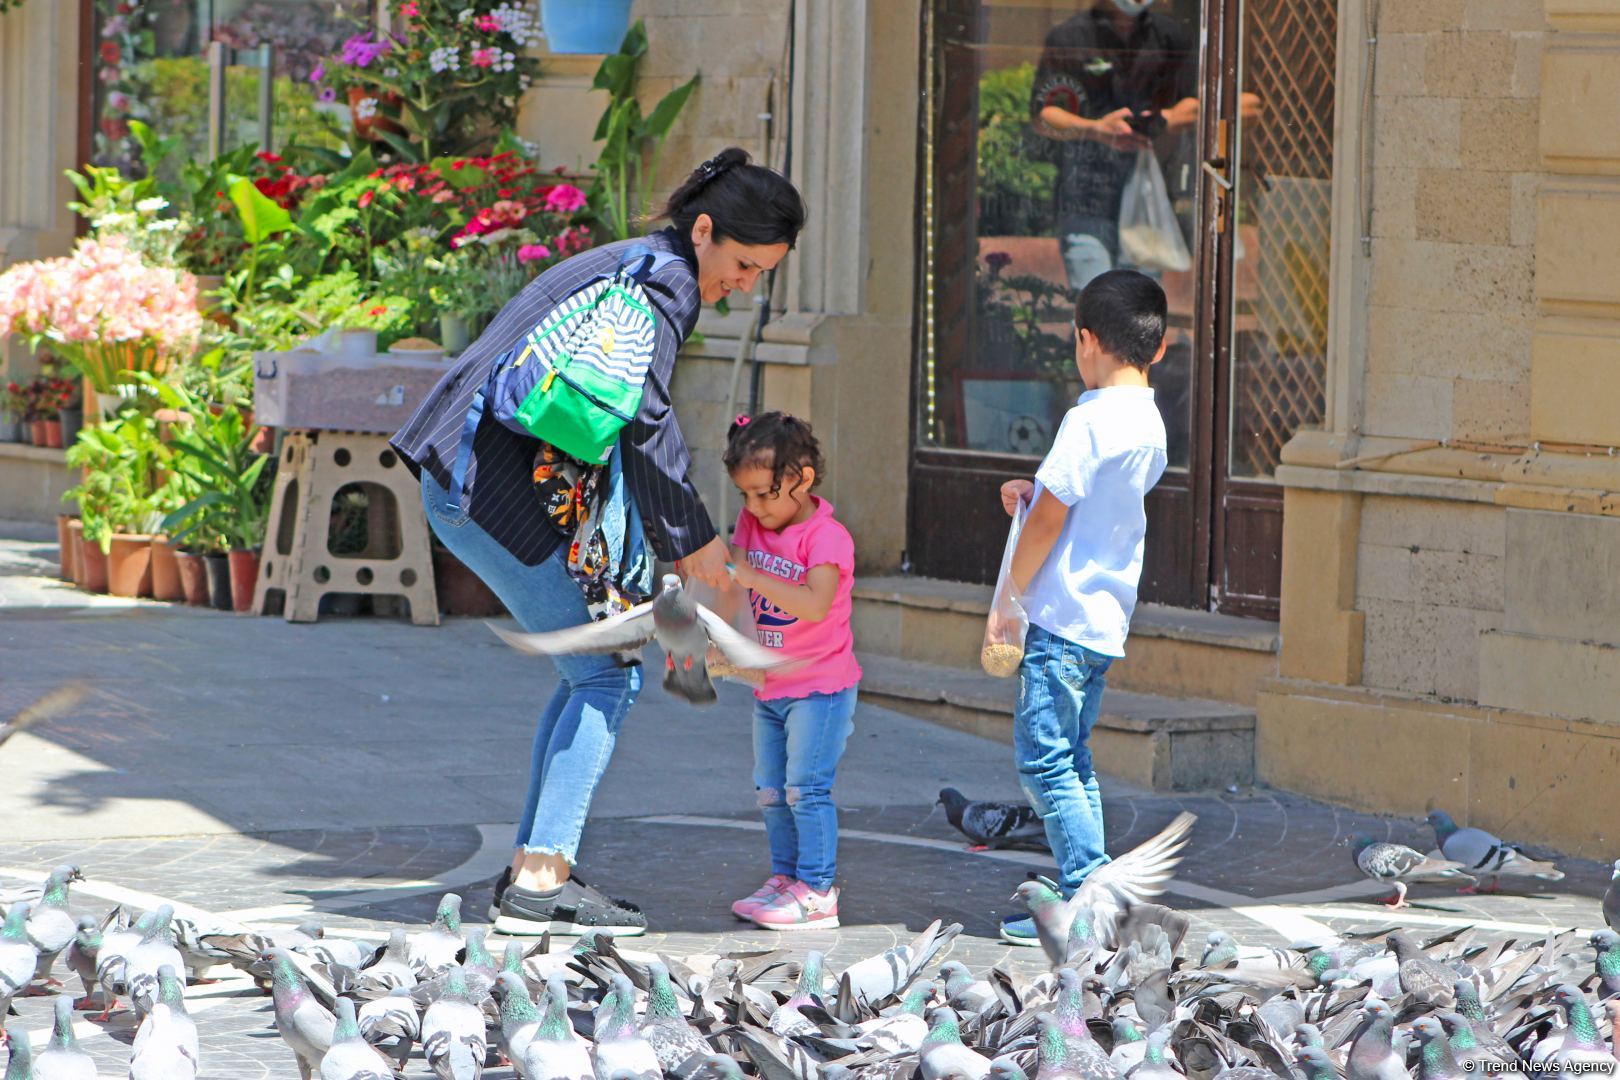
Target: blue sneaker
(1019,930)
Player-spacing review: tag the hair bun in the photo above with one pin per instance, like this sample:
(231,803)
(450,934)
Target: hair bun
(720,164)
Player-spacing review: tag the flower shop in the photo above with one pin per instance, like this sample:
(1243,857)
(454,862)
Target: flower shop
(396,213)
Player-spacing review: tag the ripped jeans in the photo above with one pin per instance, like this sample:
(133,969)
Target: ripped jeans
(1060,689)
(797,744)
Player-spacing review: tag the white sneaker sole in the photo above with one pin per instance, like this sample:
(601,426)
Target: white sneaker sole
(829,923)
(1015,939)
(512,926)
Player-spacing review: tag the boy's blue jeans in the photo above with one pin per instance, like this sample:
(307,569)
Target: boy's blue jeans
(1060,688)
(577,730)
(797,744)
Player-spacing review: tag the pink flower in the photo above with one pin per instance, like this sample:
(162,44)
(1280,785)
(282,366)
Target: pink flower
(319,73)
(564,199)
(529,253)
(488,24)
(408,9)
(483,57)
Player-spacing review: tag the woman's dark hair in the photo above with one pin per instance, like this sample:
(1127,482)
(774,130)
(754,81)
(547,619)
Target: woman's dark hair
(747,203)
(776,441)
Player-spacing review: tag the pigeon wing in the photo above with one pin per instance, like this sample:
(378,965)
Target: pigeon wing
(738,649)
(628,630)
(1138,875)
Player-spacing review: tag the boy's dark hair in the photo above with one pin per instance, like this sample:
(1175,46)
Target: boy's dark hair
(776,441)
(747,203)
(1127,311)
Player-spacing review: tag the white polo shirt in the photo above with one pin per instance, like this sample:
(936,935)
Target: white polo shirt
(1108,454)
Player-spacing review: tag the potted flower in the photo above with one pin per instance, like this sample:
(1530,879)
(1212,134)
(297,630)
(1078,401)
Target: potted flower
(44,413)
(584,26)
(105,310)
(13,413)
(122,460)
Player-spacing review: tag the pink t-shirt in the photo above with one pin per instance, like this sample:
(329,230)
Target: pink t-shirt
(826,649)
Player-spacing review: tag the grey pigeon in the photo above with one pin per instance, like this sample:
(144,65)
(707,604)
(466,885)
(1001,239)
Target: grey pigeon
(994,824)
(680,1049)
(437,948)
(50,925)
(1372,1055)
(392,1024)
(172,992)
(1400,865)
(1070,1015)
(113,957)
(18,958)
(453,1039)
(392,966)
(340,951)
(159,1051)
(1129,1046)
(1487,856)
(1094,911)
(63,1058)
(81,956)
(1153,1065)
(556,1052)
(1469,1052)
(1606,943)
(153,952)
(904,1031)
(1422,977)
(620,1049)
(350,1057)
(1582,1045)
(683,628)
(943,1056)
(20,1062)
(478,961)
(1054,1061)
(519,1020)
(1316,1064)
(1488,1044)
(964,993)
(787,1021)
(52,705)
(868,983)
(1006,1069)
(1436,1061)
(1611,900)
(305,1024)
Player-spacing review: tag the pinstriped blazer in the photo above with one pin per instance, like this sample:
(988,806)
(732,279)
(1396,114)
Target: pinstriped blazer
(499,492)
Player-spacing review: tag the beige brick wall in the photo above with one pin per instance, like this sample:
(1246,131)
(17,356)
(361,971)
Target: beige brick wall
(1456,173)
(1429,577)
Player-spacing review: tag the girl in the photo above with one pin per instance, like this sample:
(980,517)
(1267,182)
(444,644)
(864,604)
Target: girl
(799,565)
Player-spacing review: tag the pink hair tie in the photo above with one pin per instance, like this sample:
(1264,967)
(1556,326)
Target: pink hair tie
(741,421)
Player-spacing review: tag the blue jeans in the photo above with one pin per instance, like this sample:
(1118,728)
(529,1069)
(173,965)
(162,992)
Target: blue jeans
(1060,688)
(797,744)
(577,730)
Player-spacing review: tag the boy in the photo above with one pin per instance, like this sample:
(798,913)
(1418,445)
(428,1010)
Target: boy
(1078,561)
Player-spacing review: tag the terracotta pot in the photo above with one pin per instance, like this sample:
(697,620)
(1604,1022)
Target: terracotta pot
(460,591)
(166,571)
(36,432)
(264,441)
(72,422)
(64,546)
(371,127)
(93,566)
(244,578)
(193,577)
(129,565)
(219,582)
(53,434)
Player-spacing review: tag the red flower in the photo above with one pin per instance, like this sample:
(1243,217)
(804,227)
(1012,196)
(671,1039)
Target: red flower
(366,197)
(265,155)
(111,52)
(380,309)
(405,183)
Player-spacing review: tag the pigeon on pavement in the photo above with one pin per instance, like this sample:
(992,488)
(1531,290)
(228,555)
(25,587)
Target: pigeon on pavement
(305,1024)
(453,1033)
(350,1056)
(51,925)
(557,1052)
(943,1056)
(683,628)
(994,824)
(1486,856)
(63,1058)
(1400,866)
(160,1051)
(437,948)
(620,1049)
(18,958)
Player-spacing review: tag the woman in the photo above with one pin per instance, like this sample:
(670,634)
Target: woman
(730,222)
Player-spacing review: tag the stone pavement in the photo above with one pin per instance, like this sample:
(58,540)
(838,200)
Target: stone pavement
(354,770)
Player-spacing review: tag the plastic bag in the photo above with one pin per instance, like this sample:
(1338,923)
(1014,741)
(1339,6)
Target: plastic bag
(1004,630)
(731,604)
(1149,236)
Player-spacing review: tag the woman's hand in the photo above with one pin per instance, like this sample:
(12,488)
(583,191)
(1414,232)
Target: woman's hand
(1014,492)
(708,564)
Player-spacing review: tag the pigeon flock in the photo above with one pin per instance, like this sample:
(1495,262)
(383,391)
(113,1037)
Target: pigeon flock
(1125,994)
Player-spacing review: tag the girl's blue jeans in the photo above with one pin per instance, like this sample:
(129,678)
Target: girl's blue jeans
(1060,689)
(577,730)
(797,744)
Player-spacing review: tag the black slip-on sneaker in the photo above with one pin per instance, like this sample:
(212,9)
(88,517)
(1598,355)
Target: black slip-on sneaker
(501,885)
(570,910)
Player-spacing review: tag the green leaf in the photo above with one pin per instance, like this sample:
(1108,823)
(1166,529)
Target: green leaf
(262,217)
(664,113)
(408,150)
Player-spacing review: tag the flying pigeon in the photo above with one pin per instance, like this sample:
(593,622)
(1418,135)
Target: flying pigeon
(994,824)
(1611,900)
(683,628)
(50,706)
(1400,865)
(1097,906)
(1486,856)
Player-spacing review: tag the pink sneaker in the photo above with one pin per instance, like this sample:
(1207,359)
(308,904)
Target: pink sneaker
(798,907)
(745,908)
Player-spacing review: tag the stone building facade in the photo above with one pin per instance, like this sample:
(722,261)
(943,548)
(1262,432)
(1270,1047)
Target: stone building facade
(1449,621)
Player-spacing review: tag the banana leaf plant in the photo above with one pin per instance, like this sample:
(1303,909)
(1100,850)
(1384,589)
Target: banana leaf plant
(213,451)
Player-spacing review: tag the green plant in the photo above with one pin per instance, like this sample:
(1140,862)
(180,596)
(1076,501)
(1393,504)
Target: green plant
(124,459)
(1015,179)
(1015,313)
(213,451)
(624,173)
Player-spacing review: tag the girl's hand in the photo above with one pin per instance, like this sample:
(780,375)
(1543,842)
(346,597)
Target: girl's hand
(1014,492)
(708,564)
